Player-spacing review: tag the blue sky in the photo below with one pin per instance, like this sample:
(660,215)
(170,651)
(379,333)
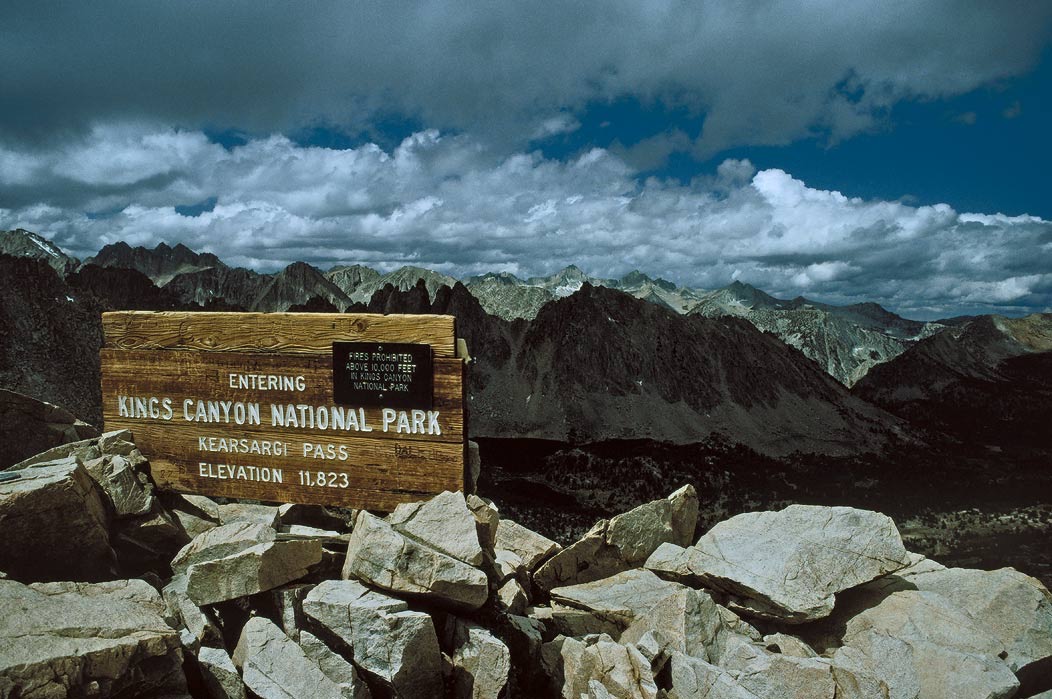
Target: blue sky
(986,150)
(895,152)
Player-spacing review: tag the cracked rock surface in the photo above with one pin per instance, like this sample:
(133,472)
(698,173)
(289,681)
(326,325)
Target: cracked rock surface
(273,666)
(789,565)
(398,647)
(381,556)
(623,542)
(83,639)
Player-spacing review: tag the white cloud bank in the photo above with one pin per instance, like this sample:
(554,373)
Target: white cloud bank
(449,203)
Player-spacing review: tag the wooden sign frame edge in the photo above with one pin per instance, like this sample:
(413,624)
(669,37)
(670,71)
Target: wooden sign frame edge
(456,349)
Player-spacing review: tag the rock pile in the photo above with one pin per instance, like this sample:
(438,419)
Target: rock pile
(447,598)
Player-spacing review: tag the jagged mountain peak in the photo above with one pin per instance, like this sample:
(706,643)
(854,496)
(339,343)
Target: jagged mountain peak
(22,243)
(635,278)
(161,264)
(506,296)
(505,278)
(737,299)
(296,285)
(234,286)
(750,294)
(568,274)
(870,307)
(640,280)
(354,267)
(406,277)
(567,280)
(349,278)
(301,268)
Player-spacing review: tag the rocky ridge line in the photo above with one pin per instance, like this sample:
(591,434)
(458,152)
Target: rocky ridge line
(846,341)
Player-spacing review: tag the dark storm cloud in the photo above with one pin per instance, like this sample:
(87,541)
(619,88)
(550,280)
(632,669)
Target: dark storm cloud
(763,73)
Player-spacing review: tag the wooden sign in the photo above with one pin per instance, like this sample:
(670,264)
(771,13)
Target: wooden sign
(358,410)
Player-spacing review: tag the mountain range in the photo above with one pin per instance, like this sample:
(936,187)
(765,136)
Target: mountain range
(845,341)
(572,358)
(988,379)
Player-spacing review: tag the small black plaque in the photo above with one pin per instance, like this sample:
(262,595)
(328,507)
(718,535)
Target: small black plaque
(382,375)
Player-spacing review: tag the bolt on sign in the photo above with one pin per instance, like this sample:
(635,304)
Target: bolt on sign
(359,410)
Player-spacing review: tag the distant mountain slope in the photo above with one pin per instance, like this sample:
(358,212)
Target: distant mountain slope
(604,365)
(235,286)
(402,279)
(736,299)
(598,364)
(601,364)
(349,278)
(846,341)
(49,338)
(988,379)
(122,289)
(660,291)
(160,264)
(297,284)
(507,296)
(23,243)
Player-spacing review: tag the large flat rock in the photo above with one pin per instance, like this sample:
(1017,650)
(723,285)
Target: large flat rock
(54,525)
(222,541)
(255,569)
(915,640)
(444,522)
(1013,607)
(382,556)
(619,599)
(531,548)
(81,639)
(274,666)
(396,646)
(789,565)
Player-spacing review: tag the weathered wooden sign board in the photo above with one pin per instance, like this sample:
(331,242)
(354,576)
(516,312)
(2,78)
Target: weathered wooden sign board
(358,410)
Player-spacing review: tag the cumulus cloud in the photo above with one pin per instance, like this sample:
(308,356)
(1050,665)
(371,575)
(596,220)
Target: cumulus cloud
(761,73)
(451,203)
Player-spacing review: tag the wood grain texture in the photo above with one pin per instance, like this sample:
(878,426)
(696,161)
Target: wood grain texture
(181,375)
(378,469)
(374,480)
(279,333)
